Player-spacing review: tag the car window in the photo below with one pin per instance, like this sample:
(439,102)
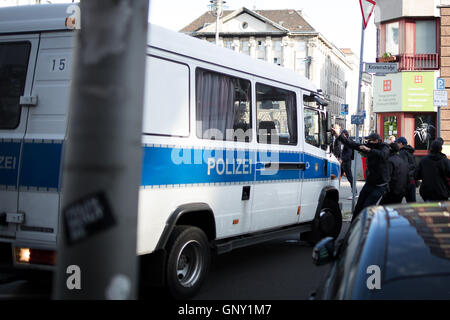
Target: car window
(347,253)
(14,58)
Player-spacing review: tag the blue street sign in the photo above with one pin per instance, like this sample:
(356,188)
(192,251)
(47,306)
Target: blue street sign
(358,119)
(344,109)
(364,114)
(440,84)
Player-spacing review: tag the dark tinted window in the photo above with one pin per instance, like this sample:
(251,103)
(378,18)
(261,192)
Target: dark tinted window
(223,107)
(13,71)
(277,115)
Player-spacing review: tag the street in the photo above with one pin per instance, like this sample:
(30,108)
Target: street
(276,270)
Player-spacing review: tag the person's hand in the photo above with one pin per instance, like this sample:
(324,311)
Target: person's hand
(336,130)
(364,148)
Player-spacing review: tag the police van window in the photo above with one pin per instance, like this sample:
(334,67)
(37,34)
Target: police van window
(223,107)
(166,98)
(276,115)
(13,72)
(312,127)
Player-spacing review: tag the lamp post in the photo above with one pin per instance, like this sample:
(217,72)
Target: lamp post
(216,8)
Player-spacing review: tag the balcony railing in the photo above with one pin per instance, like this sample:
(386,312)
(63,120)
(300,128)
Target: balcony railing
(413,62)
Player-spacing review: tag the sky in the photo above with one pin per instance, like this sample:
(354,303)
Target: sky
(339,21)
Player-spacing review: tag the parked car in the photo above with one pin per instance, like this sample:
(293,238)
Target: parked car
(390,252)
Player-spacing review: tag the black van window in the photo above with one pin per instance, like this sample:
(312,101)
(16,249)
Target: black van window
(14,58)
(276,115)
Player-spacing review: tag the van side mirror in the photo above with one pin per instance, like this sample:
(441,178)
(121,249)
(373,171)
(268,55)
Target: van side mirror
(324,252)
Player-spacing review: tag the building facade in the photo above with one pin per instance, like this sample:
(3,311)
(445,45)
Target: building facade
(285,38)
(445,70)
(408,33)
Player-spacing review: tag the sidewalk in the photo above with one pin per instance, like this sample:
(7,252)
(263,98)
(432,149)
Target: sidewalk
(346,192)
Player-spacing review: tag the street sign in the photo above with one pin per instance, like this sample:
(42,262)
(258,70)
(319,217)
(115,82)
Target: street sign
(358,119)
(440,98)
(344,109)
(381,68)
(440,84)
(367,7)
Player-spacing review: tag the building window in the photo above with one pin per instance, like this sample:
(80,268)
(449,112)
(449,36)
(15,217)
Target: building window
(392,36)
(223,107)
(424,131)
(425,37)
(276,115)
(390,127)
(228,44)
(261,45)
(245,46)
(277,45)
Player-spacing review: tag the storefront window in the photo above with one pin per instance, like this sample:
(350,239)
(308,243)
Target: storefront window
(390,128)
(424,131)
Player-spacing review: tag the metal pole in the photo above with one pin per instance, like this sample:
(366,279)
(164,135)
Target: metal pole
(97,240)
(438,122)
(358,112)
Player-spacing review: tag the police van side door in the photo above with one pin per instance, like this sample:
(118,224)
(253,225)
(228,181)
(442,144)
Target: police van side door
(40,171)
(316,174)
(17,65)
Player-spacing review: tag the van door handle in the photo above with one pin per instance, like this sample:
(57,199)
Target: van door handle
(28,101)
(285,166)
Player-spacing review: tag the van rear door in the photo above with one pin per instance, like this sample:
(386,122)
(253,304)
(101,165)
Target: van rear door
(17,64)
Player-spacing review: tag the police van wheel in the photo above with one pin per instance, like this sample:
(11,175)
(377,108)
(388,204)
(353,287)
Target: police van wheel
(188,261)
(327,224)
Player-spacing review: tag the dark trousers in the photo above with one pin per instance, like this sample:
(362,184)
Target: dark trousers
(391,198)
(411,193)
(368,196)
(347,169)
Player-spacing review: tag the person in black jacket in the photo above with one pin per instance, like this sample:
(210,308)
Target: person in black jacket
(347,155)
(407,154)
(377,173)
(434,170)
(399,177)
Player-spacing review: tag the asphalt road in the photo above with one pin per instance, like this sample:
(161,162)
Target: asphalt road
(277,270)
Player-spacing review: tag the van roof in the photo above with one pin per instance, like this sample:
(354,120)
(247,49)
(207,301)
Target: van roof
(52,17)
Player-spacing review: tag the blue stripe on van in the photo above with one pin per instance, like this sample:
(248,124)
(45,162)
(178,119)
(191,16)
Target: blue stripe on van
(41,164)
(164,166)
(9,163)
(171,166)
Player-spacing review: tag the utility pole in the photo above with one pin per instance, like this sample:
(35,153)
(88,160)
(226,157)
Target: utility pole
(102,173)
(217,11)
(358,110)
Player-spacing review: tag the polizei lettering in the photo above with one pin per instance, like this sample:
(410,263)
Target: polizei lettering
(8,163)
(229,166)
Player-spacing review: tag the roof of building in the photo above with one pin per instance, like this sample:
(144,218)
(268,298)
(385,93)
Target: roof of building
(290,19)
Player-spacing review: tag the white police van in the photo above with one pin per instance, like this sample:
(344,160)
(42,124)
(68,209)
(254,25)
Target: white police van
(234,150)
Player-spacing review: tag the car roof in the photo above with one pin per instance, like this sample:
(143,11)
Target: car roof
(411,245)
(418,240)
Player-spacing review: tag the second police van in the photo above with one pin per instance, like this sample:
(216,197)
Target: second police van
(235,150)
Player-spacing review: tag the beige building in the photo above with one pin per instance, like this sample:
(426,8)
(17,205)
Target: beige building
(285,38)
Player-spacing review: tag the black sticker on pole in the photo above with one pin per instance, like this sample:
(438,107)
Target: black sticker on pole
(86,218)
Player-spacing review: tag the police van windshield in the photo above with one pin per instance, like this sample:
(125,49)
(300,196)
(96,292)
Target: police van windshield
(13,71)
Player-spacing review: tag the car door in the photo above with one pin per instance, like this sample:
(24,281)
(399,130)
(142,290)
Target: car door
(17,65)
(278,163)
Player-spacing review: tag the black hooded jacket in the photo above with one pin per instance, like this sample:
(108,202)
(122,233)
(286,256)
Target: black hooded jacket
(407,154)
(378,172)
(434,170)
(399,174)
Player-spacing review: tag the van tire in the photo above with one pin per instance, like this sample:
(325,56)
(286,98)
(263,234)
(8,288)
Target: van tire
(327,224)
(188,261)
